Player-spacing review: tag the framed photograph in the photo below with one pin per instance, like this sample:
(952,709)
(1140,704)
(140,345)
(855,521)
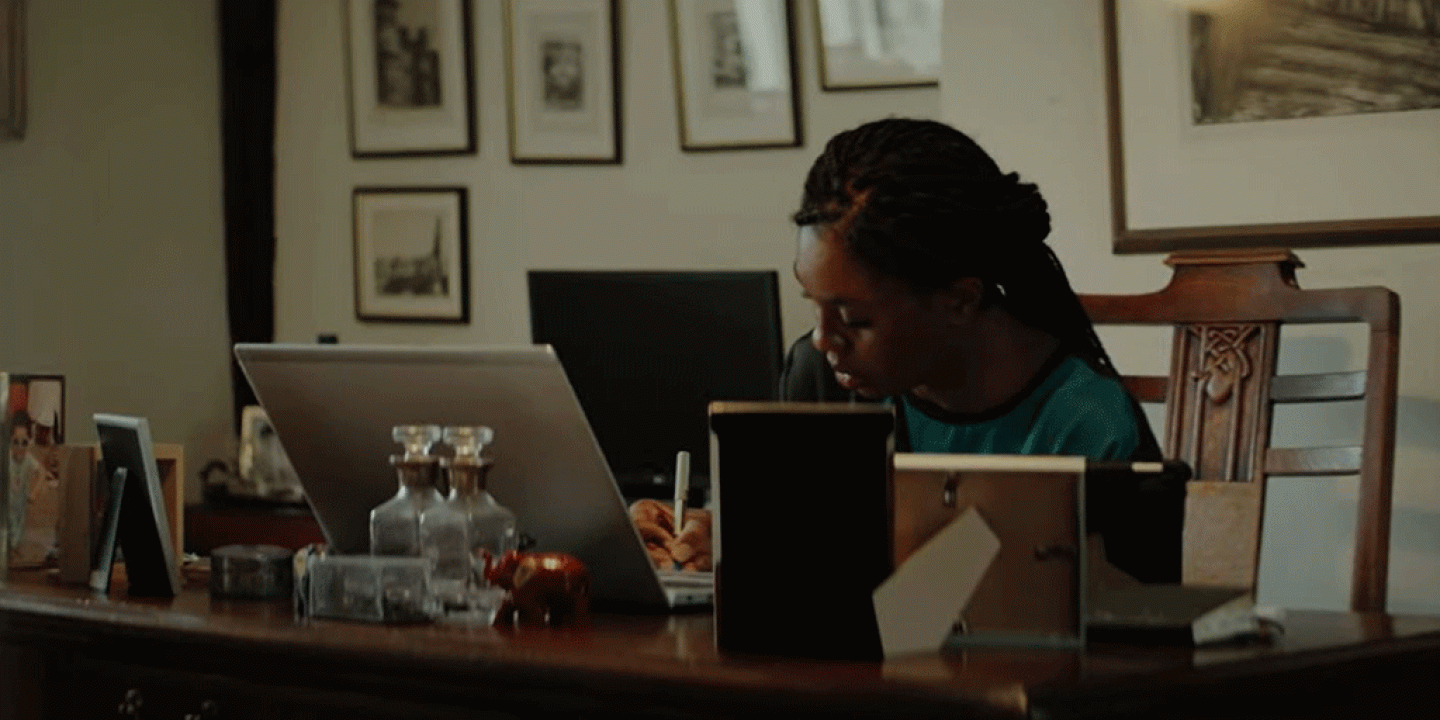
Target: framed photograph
(563,81)
(410,255)
(34,424)
(12,69)
(870,44)
(411,86)
(264,467)
(735,78)
(1293,124)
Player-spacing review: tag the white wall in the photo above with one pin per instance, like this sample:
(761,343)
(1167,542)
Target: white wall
(660,209)
(1027,80)
(110,219)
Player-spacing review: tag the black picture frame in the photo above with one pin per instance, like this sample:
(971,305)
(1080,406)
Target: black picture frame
(722,102)
(410,78)
(411,254)
(909,36)
(12,69)
(135,517)
(575,119)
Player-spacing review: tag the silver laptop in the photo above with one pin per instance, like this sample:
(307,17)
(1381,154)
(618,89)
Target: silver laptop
(333,407)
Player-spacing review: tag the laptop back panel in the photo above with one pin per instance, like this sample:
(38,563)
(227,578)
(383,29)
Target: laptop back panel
(333,408)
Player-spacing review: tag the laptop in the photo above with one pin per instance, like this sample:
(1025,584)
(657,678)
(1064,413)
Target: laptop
(333,407)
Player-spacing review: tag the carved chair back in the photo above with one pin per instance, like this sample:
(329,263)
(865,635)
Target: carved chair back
(1227,309)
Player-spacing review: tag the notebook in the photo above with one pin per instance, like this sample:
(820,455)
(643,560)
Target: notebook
(333,407)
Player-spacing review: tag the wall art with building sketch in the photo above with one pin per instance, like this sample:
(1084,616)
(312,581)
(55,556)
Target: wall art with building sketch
(410,255)
(411,88)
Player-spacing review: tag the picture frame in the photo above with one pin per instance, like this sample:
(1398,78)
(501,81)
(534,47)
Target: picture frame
(12,69)
(264,468)
(411,78)
(735,74)
(563,81)
(877,44)
(411,255)
(34,428)
(1357,179)
(135,519)
(87,497)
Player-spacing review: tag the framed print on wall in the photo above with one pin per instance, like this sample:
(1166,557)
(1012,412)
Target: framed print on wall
(12,69)
(1291,124)
(563,81)
(411,86)
(410,255)
(870,44)
(735,77)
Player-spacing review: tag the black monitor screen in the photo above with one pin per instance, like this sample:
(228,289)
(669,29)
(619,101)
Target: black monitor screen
(648,351)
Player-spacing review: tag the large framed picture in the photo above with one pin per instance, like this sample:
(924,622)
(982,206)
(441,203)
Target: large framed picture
(411,87)
(1290,123)
(410,255)
(735,78)
(563,81)
(869,44)
(12,69)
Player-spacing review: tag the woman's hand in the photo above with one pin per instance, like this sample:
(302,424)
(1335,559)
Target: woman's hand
(688,550)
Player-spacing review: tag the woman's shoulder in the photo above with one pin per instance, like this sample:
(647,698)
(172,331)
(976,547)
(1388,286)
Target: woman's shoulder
(1090,413)
(1075,378)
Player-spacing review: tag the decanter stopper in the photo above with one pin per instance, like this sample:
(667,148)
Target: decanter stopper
(468,441)
(416,439)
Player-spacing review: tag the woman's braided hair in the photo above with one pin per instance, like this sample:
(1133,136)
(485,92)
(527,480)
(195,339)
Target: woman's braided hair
(919,201)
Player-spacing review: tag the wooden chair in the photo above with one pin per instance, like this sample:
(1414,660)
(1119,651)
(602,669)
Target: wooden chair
(1227,308)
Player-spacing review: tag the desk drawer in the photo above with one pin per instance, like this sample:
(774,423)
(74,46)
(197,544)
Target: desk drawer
(85,688)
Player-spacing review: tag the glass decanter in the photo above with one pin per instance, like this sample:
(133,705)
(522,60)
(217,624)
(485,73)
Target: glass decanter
(395,523)
(469,528)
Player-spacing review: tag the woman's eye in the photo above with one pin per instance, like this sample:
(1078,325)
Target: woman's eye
(854,324)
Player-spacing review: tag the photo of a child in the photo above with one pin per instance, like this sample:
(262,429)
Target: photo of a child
(34,425)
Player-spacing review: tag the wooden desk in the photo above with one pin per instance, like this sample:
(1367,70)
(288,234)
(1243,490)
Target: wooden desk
(67,654)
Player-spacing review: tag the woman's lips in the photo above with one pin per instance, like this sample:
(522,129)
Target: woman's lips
(846,380)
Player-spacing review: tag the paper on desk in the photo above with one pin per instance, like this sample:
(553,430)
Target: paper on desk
(918,604)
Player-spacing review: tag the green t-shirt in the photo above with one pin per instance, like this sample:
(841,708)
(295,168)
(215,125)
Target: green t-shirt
(1071,410)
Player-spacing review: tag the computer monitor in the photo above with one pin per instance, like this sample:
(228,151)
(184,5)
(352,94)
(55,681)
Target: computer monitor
(646,352)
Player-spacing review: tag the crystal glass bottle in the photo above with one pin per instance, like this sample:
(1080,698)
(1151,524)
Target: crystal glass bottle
(395,523)
(470,527)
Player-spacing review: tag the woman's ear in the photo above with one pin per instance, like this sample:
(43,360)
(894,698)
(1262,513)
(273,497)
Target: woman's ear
(963,298)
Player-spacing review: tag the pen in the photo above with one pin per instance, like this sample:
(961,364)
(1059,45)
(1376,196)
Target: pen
(682,488)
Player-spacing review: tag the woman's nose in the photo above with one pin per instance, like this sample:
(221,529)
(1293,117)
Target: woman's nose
(827,341)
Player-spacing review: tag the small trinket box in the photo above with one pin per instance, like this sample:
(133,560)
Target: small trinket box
(252,572)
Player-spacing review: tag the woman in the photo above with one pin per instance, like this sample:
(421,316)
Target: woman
(934,290)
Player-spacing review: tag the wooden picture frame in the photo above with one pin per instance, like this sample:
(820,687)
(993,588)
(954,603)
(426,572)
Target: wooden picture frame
(735,74)
(85,498)
(877,44)
(1360,179)
(563,81)
(411,254)
(12,69)
(411,78)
